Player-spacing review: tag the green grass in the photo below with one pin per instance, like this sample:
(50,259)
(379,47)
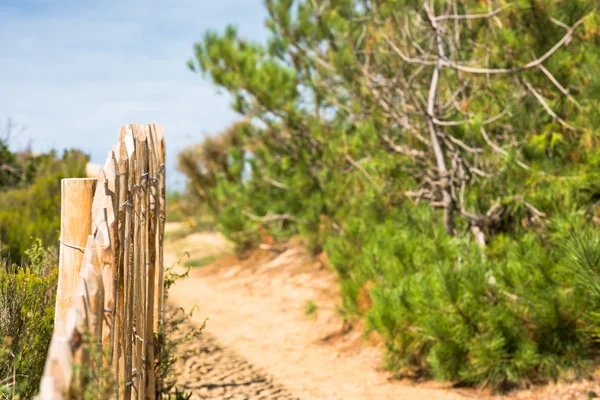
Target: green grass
(310,309)
(201,262)
(178,234)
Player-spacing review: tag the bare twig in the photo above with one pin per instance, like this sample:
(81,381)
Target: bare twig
(359,167)
(559,86)
(437,149)
(532,64)
(269,217)
(461,144)
(545,105)
(500,149)
(470,121)
(405,57)
(401,149)
(560,23)
(471,16)
(275,183)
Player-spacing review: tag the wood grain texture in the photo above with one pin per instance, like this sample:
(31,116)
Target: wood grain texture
(127,336)
(151,304)
(75,226)
(104,230)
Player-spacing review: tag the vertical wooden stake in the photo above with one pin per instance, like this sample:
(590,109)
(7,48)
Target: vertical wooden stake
(77,196)
(162,216)
(119,314)
(128,270)
(151,260)
(104,227)
(141,171)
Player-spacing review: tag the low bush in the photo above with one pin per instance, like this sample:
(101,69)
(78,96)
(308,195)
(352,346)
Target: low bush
(27,296)
(194,214)
(31,208)
(519,310)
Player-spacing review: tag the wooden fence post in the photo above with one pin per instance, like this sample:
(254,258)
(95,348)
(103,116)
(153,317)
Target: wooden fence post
(75,226)
(127,336)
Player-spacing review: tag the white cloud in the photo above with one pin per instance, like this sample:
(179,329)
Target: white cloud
(73,71)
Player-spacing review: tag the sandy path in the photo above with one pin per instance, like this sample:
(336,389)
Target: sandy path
(258,313)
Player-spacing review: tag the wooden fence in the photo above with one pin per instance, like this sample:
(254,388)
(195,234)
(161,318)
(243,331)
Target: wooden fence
(110,286)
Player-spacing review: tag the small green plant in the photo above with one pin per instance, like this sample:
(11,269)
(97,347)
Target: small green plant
(179,395)
(310,309)
(201,262)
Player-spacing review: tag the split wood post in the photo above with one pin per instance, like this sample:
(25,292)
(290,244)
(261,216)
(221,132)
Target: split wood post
(104,229)
(139,260)
(85,317)
(151,265)
(160,151)
(119,317)
(144,332)
(89,295)
(127,336)
(75,226)
(58,370)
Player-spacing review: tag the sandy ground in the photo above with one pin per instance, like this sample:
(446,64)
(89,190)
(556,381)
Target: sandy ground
(254,313)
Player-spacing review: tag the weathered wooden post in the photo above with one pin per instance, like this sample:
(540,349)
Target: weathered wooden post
(77,196)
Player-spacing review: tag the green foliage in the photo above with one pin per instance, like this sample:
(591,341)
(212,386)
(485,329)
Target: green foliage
(27,296)
(192,213)
(95,378)
(32,209)
(201,262)
(519,309)
(335,146)
(15,168)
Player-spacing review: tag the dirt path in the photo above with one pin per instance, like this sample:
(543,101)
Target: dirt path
(257,313)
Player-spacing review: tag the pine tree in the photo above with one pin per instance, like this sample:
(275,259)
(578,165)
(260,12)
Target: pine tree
(445,156)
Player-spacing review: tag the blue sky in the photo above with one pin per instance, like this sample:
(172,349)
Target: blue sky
(73,71)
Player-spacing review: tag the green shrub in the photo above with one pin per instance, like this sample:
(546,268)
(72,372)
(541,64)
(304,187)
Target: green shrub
(27,296)
(32,209)
(447,308)
(194,214)
(15,168)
